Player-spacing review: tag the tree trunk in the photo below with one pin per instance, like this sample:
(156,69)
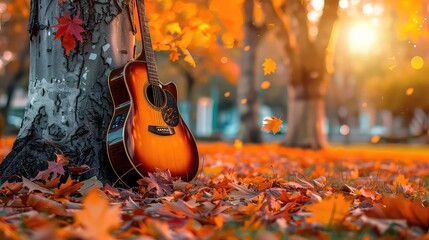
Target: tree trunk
(247,90)
(306,113)
(69,105)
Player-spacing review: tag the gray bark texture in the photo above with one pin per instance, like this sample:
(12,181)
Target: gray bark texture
(69,105)
(250,130)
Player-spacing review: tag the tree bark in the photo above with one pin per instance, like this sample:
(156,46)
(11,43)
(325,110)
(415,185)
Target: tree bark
(69,105)
(247,91)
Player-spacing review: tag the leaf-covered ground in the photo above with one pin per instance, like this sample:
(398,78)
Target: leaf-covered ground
(243,192)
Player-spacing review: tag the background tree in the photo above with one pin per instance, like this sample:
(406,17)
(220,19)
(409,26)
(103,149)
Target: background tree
(13,54)
(307,62)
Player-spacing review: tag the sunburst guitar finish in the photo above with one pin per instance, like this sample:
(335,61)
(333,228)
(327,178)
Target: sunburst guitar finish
(147,132)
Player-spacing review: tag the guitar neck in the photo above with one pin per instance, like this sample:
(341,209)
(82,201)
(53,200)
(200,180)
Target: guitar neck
(147,52)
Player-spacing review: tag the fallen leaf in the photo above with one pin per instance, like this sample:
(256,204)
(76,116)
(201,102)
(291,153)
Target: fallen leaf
(65,189)
(329,211)
(54,167)
(398,207)
(8,231)
(89,184)
(34,187)
(42,204)
(97,218)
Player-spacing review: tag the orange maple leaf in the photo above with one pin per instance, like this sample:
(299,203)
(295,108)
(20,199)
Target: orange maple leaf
(67,188)
(272,124)
(269,65)
(97,218)
(329,211)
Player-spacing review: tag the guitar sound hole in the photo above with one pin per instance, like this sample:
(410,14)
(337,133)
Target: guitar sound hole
(155,95)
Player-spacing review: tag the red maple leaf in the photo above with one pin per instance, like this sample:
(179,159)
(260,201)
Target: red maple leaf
(70,30)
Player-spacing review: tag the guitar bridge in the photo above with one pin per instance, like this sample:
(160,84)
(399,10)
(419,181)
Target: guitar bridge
(161,130)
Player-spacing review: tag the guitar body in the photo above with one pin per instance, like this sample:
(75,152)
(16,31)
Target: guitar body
(146,131)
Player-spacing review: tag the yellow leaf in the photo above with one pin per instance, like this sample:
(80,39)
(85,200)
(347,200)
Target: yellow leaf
(400,179)
(409,91)
(329,211)
(272,124)
(269,66)
(97,218)
(188,57)
(174,28)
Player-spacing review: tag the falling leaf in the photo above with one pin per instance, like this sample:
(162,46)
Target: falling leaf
(409,91)
(329,211)
(269,65)
(69,30)
(227,94)
(246,48)
(391,67)
(375,139)
(265,85)
(97,218)
(244,101)
(272,124)
(174,56)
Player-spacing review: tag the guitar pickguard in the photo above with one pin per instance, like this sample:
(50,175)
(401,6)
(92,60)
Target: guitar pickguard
(170,113)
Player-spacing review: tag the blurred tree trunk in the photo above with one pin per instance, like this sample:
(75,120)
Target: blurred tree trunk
(20,72)
(307,63)
(250,129)
(69,105)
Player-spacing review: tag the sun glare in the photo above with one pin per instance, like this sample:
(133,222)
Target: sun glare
(361,38)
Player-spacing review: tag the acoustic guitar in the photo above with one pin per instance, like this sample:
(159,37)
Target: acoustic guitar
(146,131)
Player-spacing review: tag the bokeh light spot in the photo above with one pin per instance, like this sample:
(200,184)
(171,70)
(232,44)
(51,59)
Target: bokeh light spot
(417,62)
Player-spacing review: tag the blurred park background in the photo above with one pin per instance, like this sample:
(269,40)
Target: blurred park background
(377,60)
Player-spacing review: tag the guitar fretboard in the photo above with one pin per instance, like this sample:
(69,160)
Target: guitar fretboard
(147,46)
